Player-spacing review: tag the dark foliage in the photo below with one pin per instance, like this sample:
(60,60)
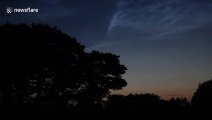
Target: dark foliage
(44,67)
(202,99)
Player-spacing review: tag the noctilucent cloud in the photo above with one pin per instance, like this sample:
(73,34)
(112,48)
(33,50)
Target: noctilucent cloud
(165,44)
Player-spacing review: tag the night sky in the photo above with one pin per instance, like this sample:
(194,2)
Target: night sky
(165,44)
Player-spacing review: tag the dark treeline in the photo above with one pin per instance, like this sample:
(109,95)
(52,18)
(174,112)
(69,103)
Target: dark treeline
(46,72)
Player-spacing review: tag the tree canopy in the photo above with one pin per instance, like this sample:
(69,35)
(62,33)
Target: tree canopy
(44,66)
(203,96)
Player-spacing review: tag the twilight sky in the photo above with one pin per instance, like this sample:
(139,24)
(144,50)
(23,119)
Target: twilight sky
(165,44)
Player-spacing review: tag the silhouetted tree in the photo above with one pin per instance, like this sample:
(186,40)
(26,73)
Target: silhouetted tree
(202,98)
(44,66)
(40,64)
(117,103)
(147,105)
(102,72)
(178,105)
(135,103)
(145,102)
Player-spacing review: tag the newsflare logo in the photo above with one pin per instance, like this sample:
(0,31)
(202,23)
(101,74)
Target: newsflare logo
(21,10)
(9,9)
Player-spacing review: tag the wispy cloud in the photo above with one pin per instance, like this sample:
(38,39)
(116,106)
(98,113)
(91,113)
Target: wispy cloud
(158,17)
